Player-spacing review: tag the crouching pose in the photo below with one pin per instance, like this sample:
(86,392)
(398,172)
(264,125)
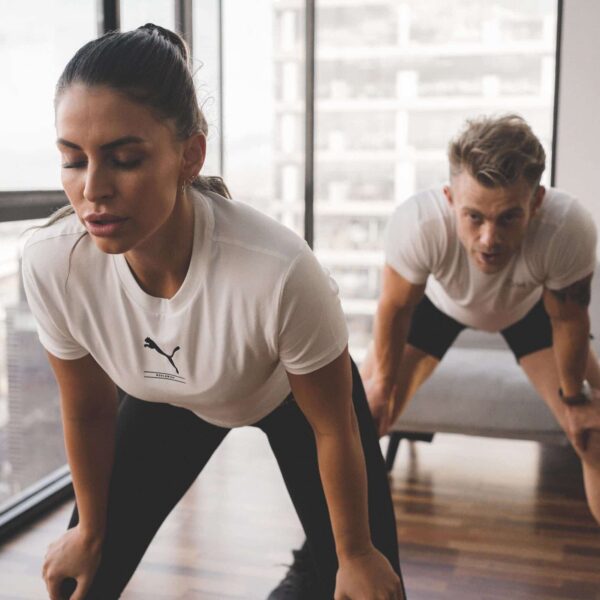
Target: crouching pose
(207,315)
(492,250)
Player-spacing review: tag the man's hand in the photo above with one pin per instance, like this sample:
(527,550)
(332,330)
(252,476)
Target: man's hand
(367,576)
(381,403)
(583,424)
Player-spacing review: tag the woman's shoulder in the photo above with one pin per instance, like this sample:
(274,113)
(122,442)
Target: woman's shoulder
(49,246)
(56,233)
(242,228)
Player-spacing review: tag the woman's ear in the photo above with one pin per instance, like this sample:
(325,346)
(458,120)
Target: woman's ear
(194,154)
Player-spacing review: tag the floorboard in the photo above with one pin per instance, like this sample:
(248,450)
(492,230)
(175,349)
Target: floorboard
(477,519)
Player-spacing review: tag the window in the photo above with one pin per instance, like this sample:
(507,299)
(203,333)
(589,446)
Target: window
(263,82)
(395,81)
(35,44)
(135,13)
(31,444)
(207,75)
(34,47)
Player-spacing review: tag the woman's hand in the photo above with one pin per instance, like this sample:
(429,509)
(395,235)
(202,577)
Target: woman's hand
(367,576)
(71,556)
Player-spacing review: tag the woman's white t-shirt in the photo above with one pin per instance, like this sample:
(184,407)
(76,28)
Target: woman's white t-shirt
(559,248)
(254,304)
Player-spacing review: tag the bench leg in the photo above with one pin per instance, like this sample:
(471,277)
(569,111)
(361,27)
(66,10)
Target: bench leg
(392,449)
(396,437)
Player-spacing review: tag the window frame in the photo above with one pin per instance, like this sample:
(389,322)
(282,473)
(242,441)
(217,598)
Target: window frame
(25,205)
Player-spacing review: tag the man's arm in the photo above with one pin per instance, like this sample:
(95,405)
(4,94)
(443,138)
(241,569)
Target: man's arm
(568,311)
(392,322)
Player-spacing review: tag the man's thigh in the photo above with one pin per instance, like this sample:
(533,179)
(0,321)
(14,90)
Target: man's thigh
(540,368)
(431,334)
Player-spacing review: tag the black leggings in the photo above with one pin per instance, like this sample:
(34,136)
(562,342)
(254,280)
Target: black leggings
(161,449)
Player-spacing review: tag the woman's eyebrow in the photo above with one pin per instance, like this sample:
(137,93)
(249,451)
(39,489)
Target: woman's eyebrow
(128,139)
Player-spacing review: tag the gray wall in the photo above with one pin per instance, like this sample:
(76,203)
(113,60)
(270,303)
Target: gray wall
(578,134)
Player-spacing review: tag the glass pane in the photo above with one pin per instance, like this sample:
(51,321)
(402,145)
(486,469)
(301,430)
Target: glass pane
(395,81)
(36,41)
(207,73)
(263,46)
(31,445)
(135,13)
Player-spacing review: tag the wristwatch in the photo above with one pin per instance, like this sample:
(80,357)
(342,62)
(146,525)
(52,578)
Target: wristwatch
(582,397)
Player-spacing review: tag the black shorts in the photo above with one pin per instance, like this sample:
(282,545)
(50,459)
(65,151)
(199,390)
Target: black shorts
(433,331)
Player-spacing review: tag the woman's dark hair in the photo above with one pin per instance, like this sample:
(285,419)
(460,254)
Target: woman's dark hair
(149,65)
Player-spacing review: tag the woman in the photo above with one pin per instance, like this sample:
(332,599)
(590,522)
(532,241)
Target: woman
(207,314)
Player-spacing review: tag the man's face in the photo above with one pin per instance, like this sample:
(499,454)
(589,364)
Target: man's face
(491,222)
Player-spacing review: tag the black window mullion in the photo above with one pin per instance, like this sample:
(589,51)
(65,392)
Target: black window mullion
(21,206)
(559,20)
(109,16)
(309,124)
(221,87)
(184,22)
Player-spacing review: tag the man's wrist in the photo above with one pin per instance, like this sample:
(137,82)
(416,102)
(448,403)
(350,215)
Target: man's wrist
(582,397)
(384,381)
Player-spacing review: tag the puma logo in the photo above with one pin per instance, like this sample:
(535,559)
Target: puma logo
(150,343)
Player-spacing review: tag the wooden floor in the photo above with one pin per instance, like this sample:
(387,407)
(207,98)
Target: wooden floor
(477,519)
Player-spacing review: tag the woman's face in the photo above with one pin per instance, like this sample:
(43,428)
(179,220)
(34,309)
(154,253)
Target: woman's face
(122,168)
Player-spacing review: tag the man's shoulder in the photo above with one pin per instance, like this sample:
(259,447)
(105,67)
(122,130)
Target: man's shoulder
(420,235)
(561,215)
(424,206)
(425,212)
(560,245)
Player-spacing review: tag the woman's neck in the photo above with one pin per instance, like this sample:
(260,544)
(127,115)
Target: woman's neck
(161,263)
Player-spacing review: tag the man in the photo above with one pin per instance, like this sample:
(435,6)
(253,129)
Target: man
(492,250)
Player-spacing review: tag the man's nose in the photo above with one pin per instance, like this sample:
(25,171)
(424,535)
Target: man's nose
(489,235)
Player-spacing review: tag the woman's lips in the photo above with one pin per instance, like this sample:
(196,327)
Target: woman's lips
(104,224)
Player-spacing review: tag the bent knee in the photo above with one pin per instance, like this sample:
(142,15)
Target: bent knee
(592,451)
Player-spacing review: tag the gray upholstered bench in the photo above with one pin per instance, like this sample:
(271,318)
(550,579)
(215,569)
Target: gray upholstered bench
(479,389)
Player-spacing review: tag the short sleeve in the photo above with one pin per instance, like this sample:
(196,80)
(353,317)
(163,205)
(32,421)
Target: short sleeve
(312,326)
(45,307)
(406,248)
(571,255)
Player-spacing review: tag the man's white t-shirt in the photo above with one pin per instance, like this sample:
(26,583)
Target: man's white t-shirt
(255,303)
(559,248)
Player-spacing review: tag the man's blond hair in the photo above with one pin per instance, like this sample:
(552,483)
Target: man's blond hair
(498,151)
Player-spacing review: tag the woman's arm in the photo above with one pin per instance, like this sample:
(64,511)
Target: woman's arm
(325,397)
(89,409)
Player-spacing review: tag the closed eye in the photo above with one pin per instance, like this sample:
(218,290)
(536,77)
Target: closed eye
(127,164)
(121,164)
(74,165)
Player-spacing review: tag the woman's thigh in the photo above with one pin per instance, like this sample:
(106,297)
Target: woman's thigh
(293,444)
(160,449)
